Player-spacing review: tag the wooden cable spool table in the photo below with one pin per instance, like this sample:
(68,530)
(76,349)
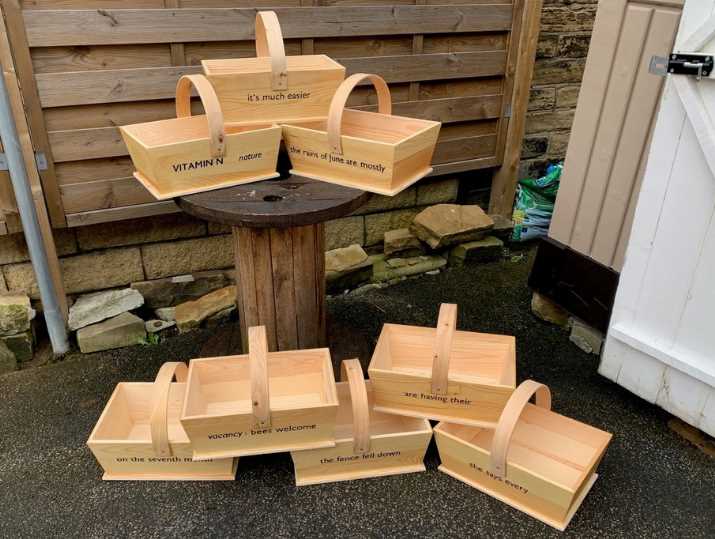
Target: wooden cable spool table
(279,242)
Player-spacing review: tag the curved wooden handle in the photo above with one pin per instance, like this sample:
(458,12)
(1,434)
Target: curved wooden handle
(158,425)
(209,99)
(337,105)
(509,418)
(269,42)
(352,371)
(258,365)
(446,326)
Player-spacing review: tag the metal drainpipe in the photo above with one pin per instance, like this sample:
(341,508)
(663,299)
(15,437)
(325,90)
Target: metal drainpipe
(28,215)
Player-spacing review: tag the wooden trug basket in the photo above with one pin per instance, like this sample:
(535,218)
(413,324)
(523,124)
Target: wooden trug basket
(273,87)
(372,151)
(189,154)
(537,461)
(368,443)
(260,402)
(139,437)
(443,374)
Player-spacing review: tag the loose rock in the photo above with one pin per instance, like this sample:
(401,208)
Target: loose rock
(189,315)
(21,344)
(345,258)
(168,314)
(15,313)
(484,250)
(347,268)
(8,362)
(389,270)
(548,311)
(155,326)
(125,329)
(402,242)
(174,290)
(449,224)
(585,337)
(503,227)
(92,308)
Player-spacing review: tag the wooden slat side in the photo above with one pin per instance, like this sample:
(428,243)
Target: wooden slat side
(121,213)
(134,26)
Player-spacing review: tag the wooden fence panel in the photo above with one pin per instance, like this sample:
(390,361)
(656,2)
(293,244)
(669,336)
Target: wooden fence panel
(99,64)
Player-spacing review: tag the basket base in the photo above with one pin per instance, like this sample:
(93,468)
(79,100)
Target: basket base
(362,474)
(436,417)
(362,186)
(173,477)
(558,524)
(159,195)
(262,450)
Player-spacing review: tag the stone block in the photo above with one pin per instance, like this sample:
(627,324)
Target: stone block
(381,203)
(92,308)
(396,268)
(532,168)
(558,144)
(15,313)
(585,337)
(437,191)
(83,273)
(8,361)
(190,314)
(346,268)
(484,250)
(402,242)
(547,45)
(14,249)
(574,46)
(220,317)
(567,97)
(344,258)
(345,231)
(534,146)
(3,284)
(449,224)
(123,330)
(174,290)
(168,314)
(135,231)
(187,256)
(573,18)
(542,98)
(558,70)
(540,122)
(377,224)
(155,326)
(21,344)
(548,311)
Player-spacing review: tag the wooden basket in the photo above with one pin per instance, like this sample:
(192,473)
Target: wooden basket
(273,87)
(190,154)
(369,443)
(139,437)
(260,402)
(443,374)
(373,151)
(537,461)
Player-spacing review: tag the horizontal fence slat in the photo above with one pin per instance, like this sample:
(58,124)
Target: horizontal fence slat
(464,148)
(464,166)
(93,143)
(120,214)
(133,26)
(142,84)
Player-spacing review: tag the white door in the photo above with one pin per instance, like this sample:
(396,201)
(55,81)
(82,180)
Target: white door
(661,342)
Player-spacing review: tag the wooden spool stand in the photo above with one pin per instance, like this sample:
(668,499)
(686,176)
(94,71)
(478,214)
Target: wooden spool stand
(280,252)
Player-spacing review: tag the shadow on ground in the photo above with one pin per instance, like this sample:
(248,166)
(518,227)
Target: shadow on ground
(651,484)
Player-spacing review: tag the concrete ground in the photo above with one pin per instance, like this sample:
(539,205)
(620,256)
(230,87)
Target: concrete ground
(651,484)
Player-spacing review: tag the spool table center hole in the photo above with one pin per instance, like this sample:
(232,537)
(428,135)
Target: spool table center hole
(272,198)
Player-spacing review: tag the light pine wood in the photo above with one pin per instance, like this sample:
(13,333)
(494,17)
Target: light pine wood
(446,326)
(191,154)
(375,152)
(537,461)
(368,443)
(273,87)
(219,413)
(481,372)
(258,360)
(609,140)
(139,436)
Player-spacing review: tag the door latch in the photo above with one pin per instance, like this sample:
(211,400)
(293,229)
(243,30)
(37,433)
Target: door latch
(699,65)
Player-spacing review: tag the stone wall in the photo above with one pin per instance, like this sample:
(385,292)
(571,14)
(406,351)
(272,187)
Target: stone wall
(115,254)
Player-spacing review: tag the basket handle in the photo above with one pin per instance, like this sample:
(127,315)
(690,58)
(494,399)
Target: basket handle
(446,326)
(352,371)
(214,116)
(337,104)
(510,417)
(158,424)
(269,42)
(258,365)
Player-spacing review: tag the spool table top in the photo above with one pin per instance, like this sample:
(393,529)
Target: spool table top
(279,203)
